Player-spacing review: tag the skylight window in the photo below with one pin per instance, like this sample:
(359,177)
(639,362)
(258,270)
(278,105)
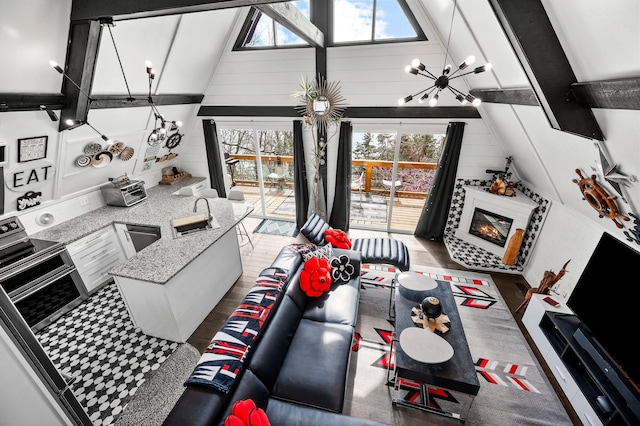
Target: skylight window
(371,21)
(352,22)
(262,31)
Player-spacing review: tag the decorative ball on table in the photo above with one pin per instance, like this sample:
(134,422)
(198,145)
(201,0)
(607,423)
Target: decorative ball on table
(431,307)
(429,315)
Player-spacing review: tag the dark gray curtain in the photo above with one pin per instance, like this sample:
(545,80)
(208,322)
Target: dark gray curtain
(340,213)
(433,218)
(216,168)
(301,191)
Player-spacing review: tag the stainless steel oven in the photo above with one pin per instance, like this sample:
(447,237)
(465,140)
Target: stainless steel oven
(38,276)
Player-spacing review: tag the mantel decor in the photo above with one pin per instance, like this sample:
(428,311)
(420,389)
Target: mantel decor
(321,106)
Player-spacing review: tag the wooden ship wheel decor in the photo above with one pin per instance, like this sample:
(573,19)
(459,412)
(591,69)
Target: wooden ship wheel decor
(599,199)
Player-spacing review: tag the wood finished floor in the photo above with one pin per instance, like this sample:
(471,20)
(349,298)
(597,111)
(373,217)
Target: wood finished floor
(422,252)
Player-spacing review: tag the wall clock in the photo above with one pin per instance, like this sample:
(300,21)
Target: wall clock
(598,198)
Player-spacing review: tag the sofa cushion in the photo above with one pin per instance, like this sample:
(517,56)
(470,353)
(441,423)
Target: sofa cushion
(325,252)
(314,228)
(339,305)
(268,356)
(315,368)
(338,238)
(383,251)
(315,277)
(290,414)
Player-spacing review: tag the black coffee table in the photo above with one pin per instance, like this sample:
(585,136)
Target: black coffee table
(458,374)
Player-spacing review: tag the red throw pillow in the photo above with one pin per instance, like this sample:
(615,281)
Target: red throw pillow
(245,413)
(338,238)
(315,277)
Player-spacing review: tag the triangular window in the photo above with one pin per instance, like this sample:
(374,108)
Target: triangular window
(371,21)
(260,31)
(351,22)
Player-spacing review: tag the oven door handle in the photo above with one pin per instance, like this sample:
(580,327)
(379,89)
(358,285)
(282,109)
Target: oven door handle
(32,263)
(63,271)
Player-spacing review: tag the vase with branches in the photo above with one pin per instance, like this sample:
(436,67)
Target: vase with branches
(321,106)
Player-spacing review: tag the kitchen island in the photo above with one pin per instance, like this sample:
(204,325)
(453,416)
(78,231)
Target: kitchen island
(170,286)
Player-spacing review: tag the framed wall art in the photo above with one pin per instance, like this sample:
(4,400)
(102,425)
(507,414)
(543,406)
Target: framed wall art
(30,149)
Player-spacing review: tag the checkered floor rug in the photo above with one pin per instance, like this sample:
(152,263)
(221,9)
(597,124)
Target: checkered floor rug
(108,359)
(277,227)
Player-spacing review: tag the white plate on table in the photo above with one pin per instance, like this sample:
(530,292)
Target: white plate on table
(425,346)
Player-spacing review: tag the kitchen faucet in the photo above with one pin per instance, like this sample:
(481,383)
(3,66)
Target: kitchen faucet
(195,207)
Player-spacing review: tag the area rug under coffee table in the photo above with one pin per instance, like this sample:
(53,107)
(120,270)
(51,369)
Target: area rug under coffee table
(513,386)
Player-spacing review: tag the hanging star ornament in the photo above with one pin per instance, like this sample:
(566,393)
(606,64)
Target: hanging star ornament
(611,174)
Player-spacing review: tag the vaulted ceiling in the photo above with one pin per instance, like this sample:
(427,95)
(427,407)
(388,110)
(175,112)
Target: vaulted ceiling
(566,102)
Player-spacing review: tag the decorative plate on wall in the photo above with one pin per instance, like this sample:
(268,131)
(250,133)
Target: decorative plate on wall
(101,159)
(92,148)
(116,148)
(83,161)
(127,153)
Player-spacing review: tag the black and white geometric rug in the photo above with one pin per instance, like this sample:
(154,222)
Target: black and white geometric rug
(277,227)
(97,344)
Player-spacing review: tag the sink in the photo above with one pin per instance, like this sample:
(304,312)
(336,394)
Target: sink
(190,224)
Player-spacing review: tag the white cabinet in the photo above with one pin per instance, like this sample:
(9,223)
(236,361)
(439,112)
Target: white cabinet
(125,240)
(531,319)
(95,255)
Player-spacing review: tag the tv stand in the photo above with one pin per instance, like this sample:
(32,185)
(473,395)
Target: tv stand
(597,394)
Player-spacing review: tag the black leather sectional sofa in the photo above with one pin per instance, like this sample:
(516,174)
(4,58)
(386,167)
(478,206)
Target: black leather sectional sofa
(297,369)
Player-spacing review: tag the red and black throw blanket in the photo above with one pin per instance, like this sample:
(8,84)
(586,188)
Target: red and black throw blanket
(225,355)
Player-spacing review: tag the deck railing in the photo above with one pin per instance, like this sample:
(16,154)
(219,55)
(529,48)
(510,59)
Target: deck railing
(416,177)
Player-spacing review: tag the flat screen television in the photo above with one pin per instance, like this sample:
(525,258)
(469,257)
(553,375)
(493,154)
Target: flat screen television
(606,299)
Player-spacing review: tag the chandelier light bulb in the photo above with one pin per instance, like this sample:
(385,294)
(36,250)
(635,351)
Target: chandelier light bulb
(410,70)
(423,98)
(434,100)
(417,64)
(476,102)
(405,100)
(461,99)
(447,69)
(56,67)
(178,123)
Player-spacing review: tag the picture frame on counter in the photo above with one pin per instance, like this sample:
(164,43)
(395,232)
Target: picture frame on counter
(34,148)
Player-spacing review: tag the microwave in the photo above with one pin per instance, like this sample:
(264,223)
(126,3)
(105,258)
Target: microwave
(124,194)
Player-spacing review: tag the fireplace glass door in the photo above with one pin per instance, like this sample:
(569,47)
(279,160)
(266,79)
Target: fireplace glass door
(490,226)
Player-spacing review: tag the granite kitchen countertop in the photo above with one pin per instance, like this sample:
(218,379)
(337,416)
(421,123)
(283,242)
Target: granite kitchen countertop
(160,261)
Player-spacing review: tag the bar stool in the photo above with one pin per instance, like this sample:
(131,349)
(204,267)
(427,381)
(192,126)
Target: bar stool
(241,230)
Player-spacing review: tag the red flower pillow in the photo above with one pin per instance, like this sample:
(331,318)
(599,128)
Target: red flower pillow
(245,413)
(315,277)
(338,238)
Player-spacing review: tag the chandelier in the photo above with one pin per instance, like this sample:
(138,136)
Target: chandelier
(443,82)
(162,126)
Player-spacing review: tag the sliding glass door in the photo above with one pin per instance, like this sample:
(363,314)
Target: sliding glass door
(391,180)
(260,164)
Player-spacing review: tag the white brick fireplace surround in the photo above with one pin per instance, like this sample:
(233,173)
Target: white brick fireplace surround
(517,208)
(527,209)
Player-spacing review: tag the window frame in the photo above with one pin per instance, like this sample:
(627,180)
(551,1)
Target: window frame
(254,15)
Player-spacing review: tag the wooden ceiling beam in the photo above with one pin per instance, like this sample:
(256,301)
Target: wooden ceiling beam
(540,53)
(120,10)
(84,42)
(289,16)
(613,94)
(350,112)
(30,101)
(121,101)
(516,96)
